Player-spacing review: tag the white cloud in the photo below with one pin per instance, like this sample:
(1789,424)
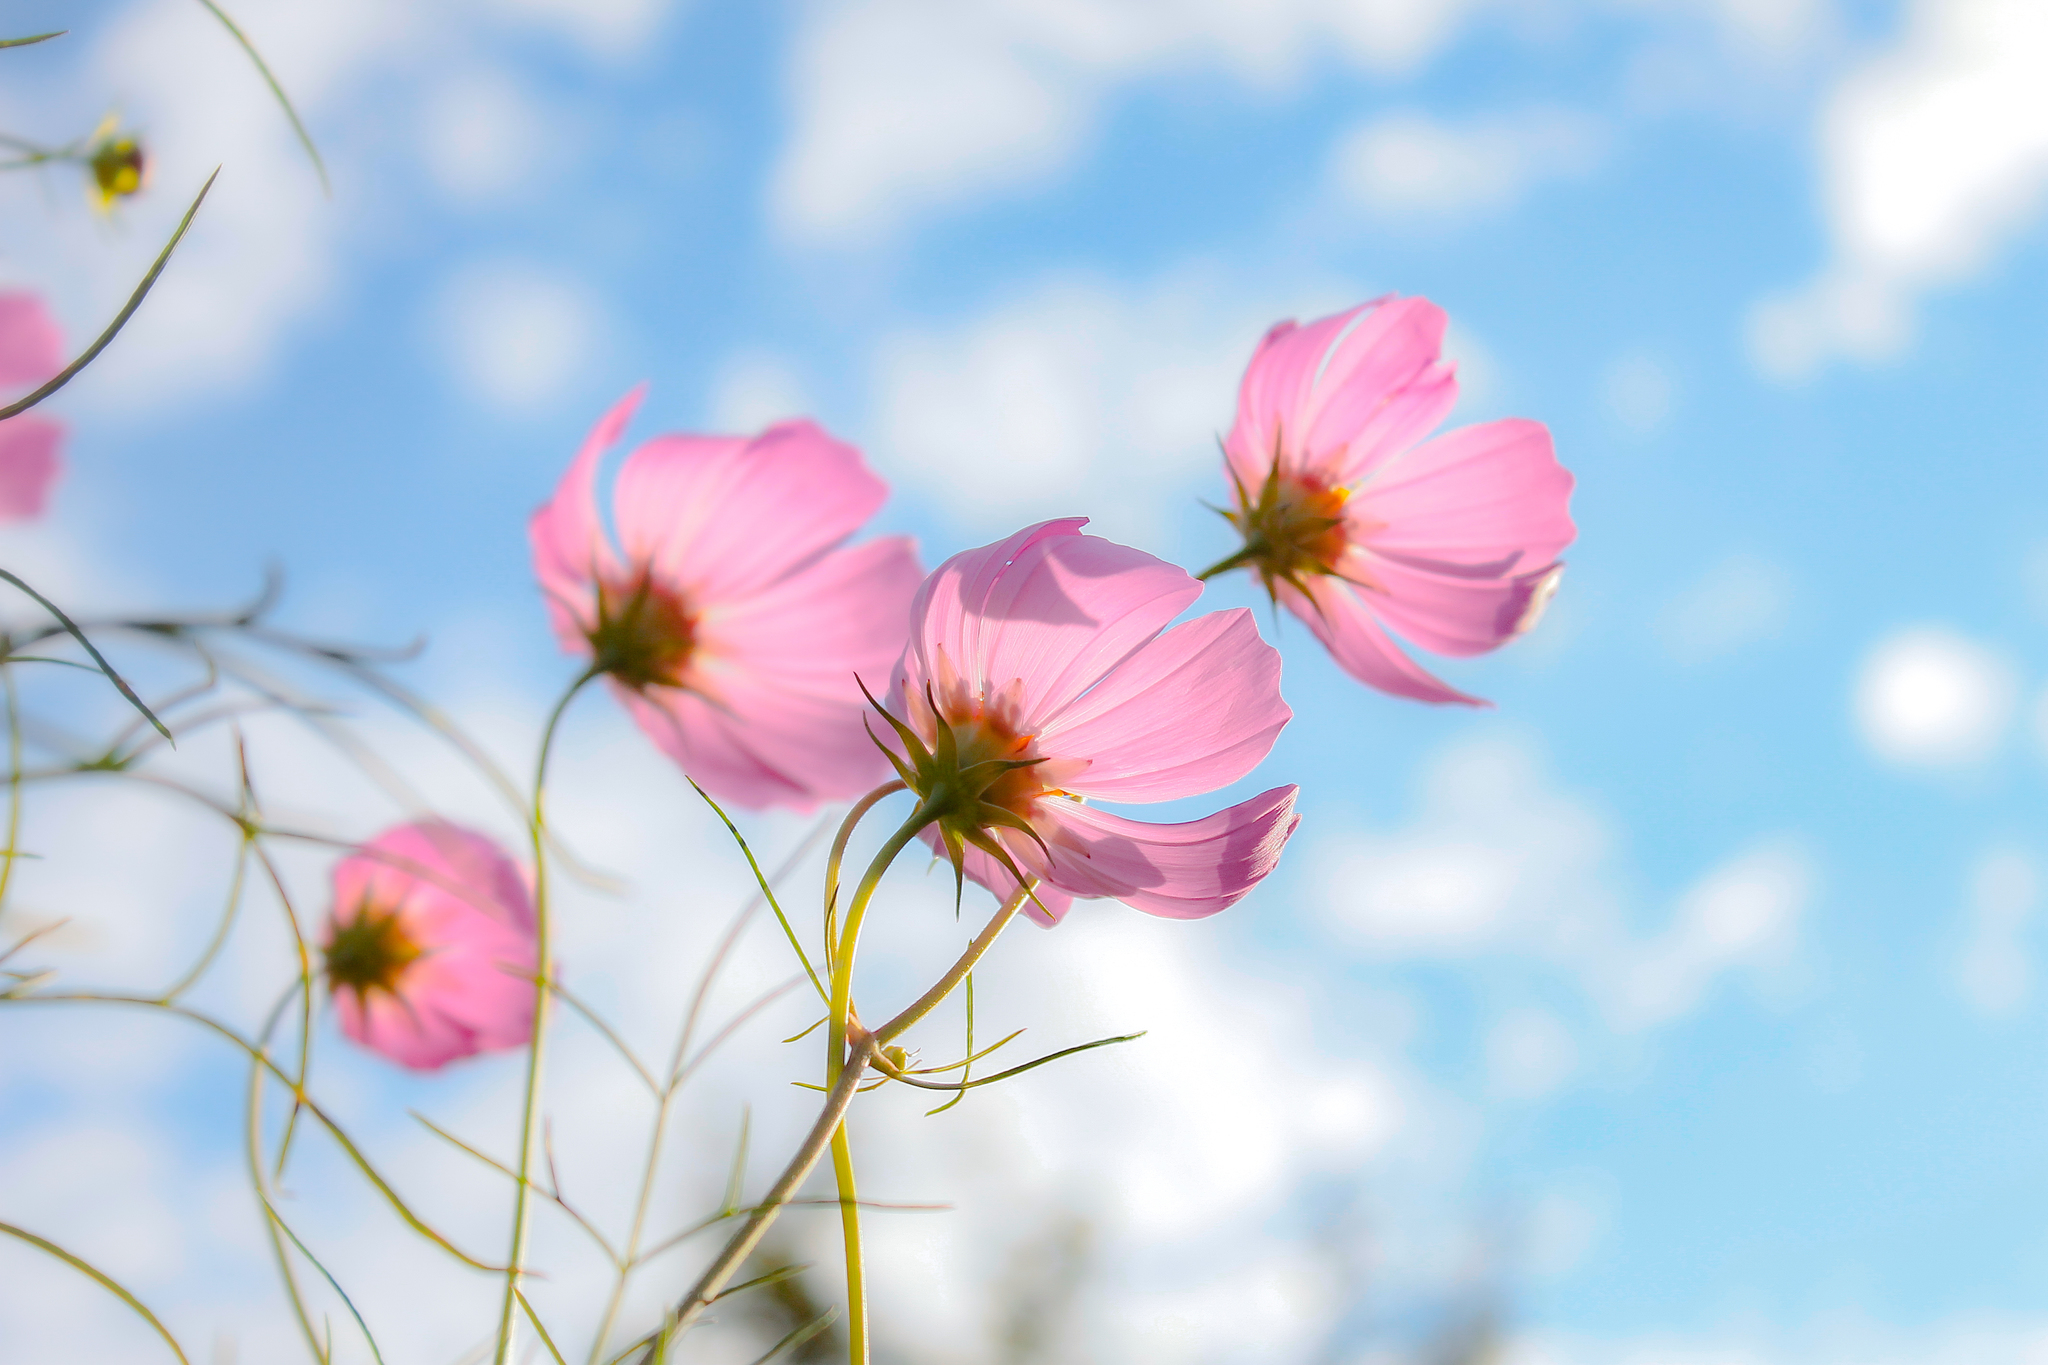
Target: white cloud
(613,29)
(1995,971)
(755,388)
(519,335)
(1409,164)
(1934,154)
(900,107)
(1738,602)
(1928,697)
(1494,856)
(1529,1054)
(1743,913)
(1073,398)
(481,135)
(1497,862)
(1638,391)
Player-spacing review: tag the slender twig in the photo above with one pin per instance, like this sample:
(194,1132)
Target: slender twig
(320,1115)
(536,1048)
(749,1236)
(552,1196)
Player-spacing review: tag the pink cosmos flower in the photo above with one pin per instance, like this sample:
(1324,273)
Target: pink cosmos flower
(1357,523)
(1039,674)
(430,946)
(733,626)
(31,350)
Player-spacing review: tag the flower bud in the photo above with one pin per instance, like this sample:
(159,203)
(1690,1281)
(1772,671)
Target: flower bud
(896,1057)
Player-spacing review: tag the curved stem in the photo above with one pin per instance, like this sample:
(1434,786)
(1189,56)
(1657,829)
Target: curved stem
(849,1232)
(799,1169)
(536,1050)
(838,853)
(929,1001)
(837,1044)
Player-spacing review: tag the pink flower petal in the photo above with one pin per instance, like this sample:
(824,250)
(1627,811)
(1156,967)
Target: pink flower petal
(844,617)
(1381,390)
(1459,616)
(711,745)
(1178,871)
(1195,709)
(724,517)
(570,547)
(31,346)
(1490,495)
(1361,648)
(28,464)
(1275,391)
(1047,619)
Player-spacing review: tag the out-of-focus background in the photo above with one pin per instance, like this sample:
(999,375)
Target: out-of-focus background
(1682,1009)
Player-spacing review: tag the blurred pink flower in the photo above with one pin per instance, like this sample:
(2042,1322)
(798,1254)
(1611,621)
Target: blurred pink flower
(1355,526)
(31,350)
(1047,658)
(430,946)
(733,627)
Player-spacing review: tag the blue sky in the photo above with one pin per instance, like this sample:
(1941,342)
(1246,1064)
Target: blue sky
(1686,1001)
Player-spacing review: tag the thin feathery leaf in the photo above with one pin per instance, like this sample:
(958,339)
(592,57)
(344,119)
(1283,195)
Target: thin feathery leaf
(736,1178)
(71,627)
(105,1281)
(775,1276)
(86,357)
(761,881)
(800,1335)
(797,1038)
(263,69)
(335,1284)
(534,1318)
(33,39)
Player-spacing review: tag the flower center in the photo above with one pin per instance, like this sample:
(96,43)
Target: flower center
(986,739)
(1296,527)
(369,952)
(644,634)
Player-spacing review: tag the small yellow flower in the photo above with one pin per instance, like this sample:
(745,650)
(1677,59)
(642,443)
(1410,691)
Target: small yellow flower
(120,166)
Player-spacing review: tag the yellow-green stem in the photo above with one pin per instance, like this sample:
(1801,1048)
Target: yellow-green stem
(837,1045)
(536,1049)
(929,1001)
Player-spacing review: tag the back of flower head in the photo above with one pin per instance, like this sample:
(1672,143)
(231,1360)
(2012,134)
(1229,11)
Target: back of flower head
(732,618)
(429,946)
(1356,519)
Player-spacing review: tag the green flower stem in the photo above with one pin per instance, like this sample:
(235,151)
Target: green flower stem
(838,853)
(837,1045)
(751,1232)
(536,1049)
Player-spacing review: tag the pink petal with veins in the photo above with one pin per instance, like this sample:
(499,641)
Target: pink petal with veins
(1185,871)
(722,517)
(1361,647)
(1050,617)
(571,549)
(1193,710)
(1489,495)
